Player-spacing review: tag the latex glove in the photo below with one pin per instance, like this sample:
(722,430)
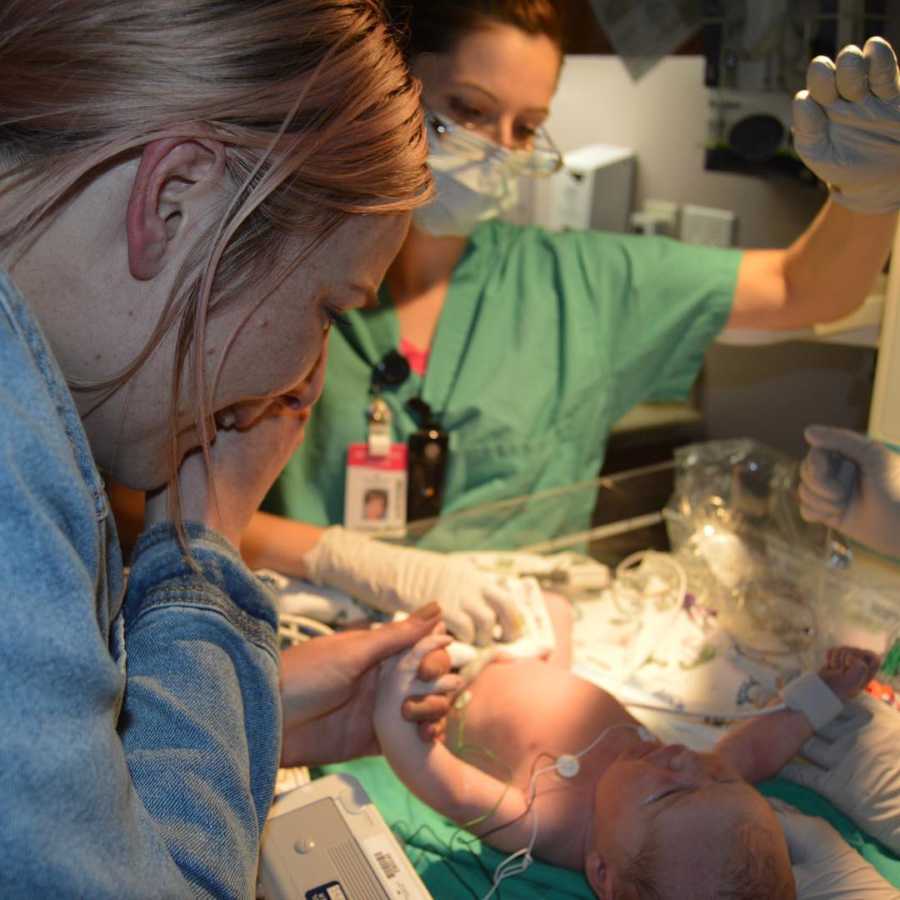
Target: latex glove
(825,866)
(394,579)
(471,661)
(847,126)
(854,763)
(852,483)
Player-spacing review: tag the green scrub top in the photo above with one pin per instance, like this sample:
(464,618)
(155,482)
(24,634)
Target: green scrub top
(545,340)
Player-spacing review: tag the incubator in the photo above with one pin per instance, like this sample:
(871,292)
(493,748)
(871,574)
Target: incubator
(723,515)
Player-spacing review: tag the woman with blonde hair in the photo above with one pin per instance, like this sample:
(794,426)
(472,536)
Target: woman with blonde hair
(190,191)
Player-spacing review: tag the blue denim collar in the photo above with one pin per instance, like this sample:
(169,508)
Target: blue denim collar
(12,302)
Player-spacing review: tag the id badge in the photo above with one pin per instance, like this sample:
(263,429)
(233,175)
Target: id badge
(375,488)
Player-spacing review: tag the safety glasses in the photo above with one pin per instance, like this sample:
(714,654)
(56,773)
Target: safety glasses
(541,158)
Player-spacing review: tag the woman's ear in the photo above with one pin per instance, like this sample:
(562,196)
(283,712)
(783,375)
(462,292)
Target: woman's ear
(176,181)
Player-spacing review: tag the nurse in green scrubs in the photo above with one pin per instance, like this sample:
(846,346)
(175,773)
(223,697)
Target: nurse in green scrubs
(527,345)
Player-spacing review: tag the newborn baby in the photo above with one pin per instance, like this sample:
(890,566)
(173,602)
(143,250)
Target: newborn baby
(643,819)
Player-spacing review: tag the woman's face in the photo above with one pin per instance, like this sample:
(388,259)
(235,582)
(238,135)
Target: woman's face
(499,80)
(270,349)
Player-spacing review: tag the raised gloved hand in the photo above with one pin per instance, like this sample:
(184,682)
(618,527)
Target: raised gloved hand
(825,866)
(852,483)
(393,579)
(847,126)
(854,763)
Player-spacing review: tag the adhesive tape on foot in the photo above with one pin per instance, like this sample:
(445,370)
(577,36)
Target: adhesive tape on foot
(810,695)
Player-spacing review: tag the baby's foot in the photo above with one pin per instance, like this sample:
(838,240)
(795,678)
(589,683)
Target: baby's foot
(848,670)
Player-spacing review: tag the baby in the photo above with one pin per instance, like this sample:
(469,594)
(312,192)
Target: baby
(643,819)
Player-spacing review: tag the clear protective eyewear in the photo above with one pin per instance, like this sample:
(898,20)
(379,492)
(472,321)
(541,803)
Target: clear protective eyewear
(541,158)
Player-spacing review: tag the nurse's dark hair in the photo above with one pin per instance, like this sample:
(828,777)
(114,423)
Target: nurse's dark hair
(434,26)
(311,99)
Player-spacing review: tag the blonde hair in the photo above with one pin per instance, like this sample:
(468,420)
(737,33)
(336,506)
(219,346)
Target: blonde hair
(311,99)
(752,866)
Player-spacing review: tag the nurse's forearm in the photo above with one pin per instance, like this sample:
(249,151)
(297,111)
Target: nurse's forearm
(824,275)
(830,268)
(273,542)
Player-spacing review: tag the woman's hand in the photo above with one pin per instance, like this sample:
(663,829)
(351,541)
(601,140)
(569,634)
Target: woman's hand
(329,689)
(399,681)
(246,457)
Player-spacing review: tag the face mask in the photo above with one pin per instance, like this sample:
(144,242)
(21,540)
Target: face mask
(468,191)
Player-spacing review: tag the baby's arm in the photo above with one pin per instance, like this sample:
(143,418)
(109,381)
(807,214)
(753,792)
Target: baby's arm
(560,611)
(446,783)
(759,748)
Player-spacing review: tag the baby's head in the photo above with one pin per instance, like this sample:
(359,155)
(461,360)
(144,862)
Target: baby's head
(671,823)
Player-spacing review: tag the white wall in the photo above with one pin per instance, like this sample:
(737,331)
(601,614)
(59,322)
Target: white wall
(664,117)
(769,393)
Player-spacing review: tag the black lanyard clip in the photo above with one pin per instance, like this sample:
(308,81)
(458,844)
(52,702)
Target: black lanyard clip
(426,463)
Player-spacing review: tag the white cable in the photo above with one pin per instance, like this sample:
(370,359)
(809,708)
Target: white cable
(297,629)
(667,559)
(673,596)
(519,861)
(703,714)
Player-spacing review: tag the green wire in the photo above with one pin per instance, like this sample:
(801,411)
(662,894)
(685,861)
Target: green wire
(461,750)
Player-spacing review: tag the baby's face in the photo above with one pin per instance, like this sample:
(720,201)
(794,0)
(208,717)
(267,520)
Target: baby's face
(688,806)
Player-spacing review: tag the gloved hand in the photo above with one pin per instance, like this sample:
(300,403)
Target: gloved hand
(847,126)
(853,762)
(392,579)
(852,483)
(469,662)
(825,866)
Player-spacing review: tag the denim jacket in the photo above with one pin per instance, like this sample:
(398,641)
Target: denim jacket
(139,732)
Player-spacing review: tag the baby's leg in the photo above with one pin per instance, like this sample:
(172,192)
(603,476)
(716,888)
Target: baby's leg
(848,670)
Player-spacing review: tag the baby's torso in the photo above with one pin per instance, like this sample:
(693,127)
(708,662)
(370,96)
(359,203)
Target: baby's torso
(521,717)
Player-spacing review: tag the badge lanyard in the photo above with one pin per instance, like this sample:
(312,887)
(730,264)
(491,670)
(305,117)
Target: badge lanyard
(387,483)
(390,371)
(426,459)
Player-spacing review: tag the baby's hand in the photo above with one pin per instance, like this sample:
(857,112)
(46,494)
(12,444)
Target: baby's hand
(397,680)
(848,670)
